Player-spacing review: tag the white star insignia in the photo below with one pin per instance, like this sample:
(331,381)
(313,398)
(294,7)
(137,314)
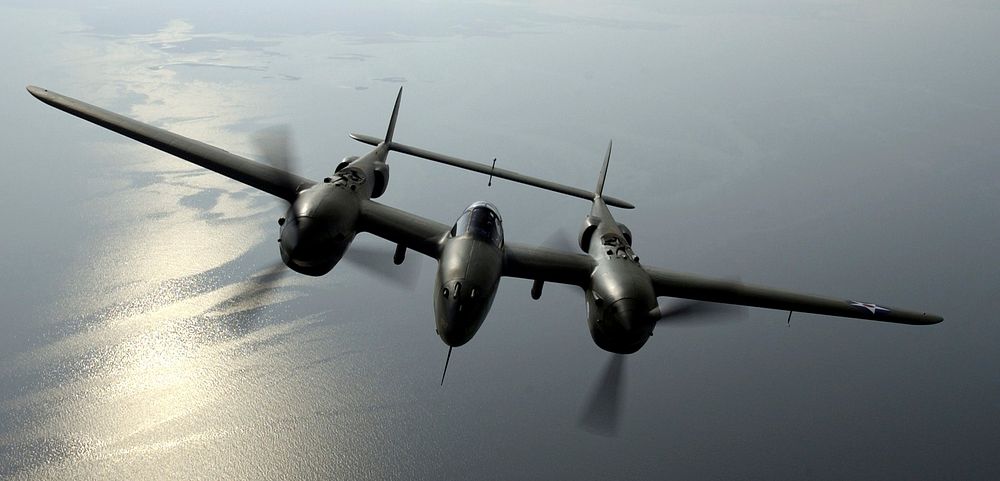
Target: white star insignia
(873,308)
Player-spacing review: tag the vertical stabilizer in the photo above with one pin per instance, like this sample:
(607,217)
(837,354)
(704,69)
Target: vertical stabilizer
(392,120)
(604,172)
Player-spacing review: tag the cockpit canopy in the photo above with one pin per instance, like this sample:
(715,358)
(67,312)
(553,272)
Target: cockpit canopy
(481,221)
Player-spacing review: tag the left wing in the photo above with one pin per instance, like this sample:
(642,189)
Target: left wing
(272,180)
(673,284)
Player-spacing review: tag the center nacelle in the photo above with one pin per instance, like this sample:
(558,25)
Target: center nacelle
(468,274)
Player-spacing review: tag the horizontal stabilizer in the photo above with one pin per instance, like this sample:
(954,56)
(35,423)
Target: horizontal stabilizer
(489,170)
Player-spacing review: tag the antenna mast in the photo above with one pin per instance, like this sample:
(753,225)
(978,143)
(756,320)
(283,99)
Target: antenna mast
(446,365)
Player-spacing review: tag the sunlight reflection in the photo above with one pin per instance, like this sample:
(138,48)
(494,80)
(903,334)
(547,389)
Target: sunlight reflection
(181,241)
(171,342)
(170,318)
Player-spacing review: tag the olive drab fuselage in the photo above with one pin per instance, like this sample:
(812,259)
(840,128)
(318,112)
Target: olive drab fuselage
(468,274)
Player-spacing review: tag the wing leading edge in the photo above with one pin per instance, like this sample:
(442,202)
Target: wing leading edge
(269,179)
(673,284)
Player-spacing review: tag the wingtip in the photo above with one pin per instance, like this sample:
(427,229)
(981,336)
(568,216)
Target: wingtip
(925,319)
(616,202)
(36,90)
(918,319)
(366,139)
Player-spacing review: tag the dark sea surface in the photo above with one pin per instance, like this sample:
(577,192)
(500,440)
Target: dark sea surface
(844,149)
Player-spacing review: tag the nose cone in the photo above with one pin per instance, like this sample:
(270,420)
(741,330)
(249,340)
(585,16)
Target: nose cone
(626,314)
(455,335)
(461,309)
(306,241)
(307,246)
(625,328)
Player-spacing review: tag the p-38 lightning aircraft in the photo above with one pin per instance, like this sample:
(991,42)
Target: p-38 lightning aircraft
(323,218)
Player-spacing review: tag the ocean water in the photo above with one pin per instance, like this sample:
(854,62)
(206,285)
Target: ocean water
(834,148)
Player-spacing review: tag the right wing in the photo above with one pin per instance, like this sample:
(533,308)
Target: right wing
(541,264)
(687,286)
(272,180)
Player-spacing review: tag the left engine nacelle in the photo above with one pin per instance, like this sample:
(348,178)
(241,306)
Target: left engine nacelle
(318,228)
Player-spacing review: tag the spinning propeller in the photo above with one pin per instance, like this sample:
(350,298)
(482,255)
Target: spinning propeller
(274,147)
(604,406)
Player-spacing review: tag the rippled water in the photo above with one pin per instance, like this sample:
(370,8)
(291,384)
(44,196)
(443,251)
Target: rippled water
(826,148)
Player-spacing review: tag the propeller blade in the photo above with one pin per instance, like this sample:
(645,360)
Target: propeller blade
(377,260)
(561,239)
(687,312)
(604,407)
(275,147)
(254,297)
